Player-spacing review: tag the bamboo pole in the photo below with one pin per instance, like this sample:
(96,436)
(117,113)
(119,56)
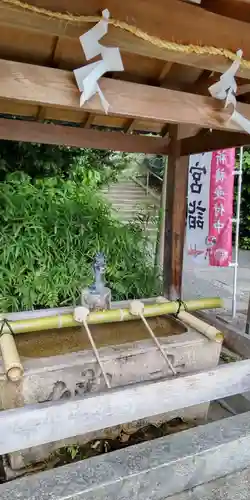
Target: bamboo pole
(11,360)
(111,316)
(201,326)
(208,331)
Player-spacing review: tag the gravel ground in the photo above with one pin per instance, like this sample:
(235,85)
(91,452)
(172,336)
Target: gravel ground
(218,281)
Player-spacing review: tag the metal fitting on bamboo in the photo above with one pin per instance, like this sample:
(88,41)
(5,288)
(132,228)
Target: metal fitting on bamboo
(201,326)
(12,365)
(111,316)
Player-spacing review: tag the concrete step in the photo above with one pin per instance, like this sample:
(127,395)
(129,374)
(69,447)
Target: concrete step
(150,230)
(122,189)
(130,189)
(128,217)
(134,210)
(231,487)
(133,201)
(195,464)
(128,200)
(127,196)
(124,195)
(125,187)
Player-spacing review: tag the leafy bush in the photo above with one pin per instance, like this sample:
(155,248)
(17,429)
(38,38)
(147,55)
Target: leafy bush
(245,203)
(41,160)
(95,169)
(50,231)
(37,160)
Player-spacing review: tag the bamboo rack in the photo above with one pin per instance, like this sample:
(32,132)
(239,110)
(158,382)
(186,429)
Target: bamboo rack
(111,316)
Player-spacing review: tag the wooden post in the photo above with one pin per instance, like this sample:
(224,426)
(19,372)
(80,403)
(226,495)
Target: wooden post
(163,214)
(247,329)
(175,217)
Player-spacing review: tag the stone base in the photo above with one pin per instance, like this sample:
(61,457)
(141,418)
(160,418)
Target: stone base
(77,374)
(231,487)
(19,460)
(153,470)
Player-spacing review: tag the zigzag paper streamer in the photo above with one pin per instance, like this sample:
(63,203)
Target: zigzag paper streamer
(226,89)
(87,76)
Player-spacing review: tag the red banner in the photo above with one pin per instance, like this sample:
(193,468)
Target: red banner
(221,207)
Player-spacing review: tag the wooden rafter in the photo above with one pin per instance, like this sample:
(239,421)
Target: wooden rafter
(129,126)
(202,83)
(164,71)
(55,88)
(186,24)
(40,113)
(47,133)
(236,9)
(211,141)
(165,130)
(194,83)
(88,121)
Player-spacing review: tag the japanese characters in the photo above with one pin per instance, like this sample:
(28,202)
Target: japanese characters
(209,207)
(196,210)
(221,205)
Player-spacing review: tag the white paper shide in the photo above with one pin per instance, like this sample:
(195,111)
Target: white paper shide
(226,89)
(87,76)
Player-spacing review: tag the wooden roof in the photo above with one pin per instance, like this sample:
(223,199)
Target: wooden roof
(39,48)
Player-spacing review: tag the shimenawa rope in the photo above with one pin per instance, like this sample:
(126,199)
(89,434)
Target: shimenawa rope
(158,42)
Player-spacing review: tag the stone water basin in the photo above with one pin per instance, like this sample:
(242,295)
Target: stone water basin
(68,340)
(60,364)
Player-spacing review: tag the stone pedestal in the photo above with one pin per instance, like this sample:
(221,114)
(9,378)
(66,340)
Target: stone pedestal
(76,374)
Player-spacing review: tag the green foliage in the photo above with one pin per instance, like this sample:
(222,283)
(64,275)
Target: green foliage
(96,168)
(50,231)
(73,451)
(37,160)
(156,164)
(93,166)
(245,202)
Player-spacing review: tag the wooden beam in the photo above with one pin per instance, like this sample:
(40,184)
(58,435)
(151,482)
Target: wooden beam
(186,24)
(165,130)
(235,9)
(56,88)
(211,141)
(129,126)
(164,71)
(202,83)
(47,133)
(175,217)
(165,84)
(186,130)
(40,113)
(87,122)
(48,422)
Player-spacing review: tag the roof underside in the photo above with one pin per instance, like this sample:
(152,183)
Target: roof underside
(36,37)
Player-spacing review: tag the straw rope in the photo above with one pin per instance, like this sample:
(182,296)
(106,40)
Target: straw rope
(158,42)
